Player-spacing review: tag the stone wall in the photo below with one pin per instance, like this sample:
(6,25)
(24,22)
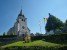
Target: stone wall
(8,39)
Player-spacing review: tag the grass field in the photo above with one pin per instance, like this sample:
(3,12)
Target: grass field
(34,43)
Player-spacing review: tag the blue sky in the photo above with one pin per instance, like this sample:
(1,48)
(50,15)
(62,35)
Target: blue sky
(34,10)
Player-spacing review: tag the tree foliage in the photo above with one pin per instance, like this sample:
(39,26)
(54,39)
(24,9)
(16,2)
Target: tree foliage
(66,23)
(53,23)
(65,27)
(31,34)
(12,33)
(4,34)
(38,34)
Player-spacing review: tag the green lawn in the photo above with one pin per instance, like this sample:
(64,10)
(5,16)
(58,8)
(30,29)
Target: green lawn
(34,43)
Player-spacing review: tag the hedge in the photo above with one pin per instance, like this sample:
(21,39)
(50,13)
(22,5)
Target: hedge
(55,38)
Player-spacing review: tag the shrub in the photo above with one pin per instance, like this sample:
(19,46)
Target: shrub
(27,39)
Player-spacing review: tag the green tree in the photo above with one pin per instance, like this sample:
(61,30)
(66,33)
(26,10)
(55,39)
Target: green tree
(12,33)
(4,34)
(65,27)
(66,23)
(38,34)
(53,23)
(31,34)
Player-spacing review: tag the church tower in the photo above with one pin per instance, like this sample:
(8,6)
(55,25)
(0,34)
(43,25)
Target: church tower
(21,25)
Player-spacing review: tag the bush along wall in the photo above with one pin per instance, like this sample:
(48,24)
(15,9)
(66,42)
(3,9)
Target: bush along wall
(55,38)
(8,39)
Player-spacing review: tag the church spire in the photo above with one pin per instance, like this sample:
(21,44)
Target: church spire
(20,14)
(21,11)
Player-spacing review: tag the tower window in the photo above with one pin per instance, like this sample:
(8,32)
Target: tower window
(22,19)
(23,27)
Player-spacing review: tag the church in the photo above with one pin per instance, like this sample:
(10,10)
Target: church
(20,26)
